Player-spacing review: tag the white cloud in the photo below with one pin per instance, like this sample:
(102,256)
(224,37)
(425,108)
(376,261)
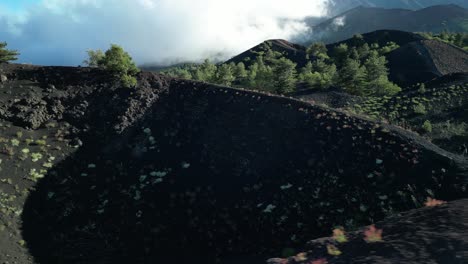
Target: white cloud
(60,31)
(339,21)
(149,4)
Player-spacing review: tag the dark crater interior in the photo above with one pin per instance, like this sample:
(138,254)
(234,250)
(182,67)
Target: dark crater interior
(186,172)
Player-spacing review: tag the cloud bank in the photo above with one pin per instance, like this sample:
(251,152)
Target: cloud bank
(58,32)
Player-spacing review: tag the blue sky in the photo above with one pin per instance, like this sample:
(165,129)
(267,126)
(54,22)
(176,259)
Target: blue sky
(18,5)
(58,32)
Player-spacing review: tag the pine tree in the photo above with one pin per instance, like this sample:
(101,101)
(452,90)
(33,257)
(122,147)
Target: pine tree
(375,66)
(120,64)
(364,51)
(340,54)
(225,75)
(239,71)
(261,75)
(7,55)
(377,83)
(354,54)
(352,77)
(318,75)
(284,76)
(357,40)
(94,56)
(206,72)
(317,50)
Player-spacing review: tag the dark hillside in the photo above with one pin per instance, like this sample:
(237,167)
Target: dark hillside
(294,52)
(361,20)
(181,171)
(383,37)
(444,104)
(338,6)
(335,98)
(422,61)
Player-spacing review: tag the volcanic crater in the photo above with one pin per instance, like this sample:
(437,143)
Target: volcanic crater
(180,171)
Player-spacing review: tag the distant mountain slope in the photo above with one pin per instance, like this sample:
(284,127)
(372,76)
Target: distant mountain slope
(421,61)
(336,7)
(297,52)
(364,19)
(382,37)
(294,52)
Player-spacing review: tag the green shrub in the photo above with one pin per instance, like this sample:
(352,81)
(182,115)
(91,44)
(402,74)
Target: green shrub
(427,126)
(419,109)
(422,88)
(119,63)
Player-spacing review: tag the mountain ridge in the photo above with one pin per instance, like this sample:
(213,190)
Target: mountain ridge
(367,19)
(338,6)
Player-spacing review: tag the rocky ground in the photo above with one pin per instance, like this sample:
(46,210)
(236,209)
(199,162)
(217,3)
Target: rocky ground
(179,171)
(427,235)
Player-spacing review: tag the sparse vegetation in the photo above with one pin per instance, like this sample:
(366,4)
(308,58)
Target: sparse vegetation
(372,234)
(333,250)
(459,39)
(448,129)
(433,202)
(339,235)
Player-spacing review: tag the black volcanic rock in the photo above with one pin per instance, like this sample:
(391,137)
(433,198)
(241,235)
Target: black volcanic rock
(428,235)
(188,172)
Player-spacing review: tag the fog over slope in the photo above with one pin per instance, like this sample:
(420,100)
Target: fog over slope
(58,32)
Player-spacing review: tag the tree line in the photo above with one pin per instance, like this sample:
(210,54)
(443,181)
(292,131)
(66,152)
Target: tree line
(359,68)
(457,39)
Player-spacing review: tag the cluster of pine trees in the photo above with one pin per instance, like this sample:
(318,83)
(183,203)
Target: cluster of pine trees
(361,68)
(358,68)
(269,71)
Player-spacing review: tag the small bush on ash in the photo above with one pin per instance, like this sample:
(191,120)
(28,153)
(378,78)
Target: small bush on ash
(117,61)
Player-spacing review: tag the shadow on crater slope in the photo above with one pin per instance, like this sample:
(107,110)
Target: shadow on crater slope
(201,174)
